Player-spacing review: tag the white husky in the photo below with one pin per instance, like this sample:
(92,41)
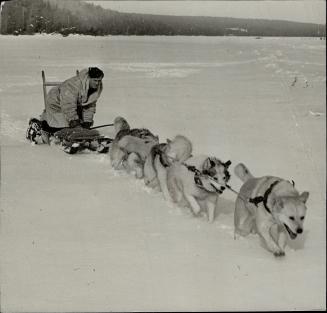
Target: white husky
(200,180)
(177,150)
(271,207)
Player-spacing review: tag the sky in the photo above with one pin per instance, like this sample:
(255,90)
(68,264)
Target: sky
(310,11)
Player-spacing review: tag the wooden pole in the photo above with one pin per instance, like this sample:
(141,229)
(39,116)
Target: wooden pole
(100,126)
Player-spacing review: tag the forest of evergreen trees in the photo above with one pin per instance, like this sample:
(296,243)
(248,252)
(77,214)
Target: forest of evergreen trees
(78,17)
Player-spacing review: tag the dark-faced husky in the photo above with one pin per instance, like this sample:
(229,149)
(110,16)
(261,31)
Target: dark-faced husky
(199,181)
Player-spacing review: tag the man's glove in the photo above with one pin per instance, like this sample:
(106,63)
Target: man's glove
(74,123)
(87,125)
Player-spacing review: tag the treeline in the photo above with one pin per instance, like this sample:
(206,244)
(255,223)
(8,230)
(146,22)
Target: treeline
(47,16)
(78,17)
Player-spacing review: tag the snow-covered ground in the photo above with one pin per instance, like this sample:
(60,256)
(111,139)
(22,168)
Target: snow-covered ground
(78,236)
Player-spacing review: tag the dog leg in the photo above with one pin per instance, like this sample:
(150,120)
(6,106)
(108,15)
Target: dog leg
(211,208)
(282,240)
(265,233)
(166,193)
(174,189)
(279,235)
(180,198)
(139,173)
(150,175)
(243,219)
(211,212)
(194,204)
(117,160)
(153,183)
(133,164)
(162,178)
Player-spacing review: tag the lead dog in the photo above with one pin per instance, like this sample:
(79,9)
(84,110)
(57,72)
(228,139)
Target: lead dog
(199,181)
(271,207)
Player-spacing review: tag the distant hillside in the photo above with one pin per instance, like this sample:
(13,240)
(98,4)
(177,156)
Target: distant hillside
(78,17)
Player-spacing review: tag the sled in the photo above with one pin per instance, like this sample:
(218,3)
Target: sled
(75,144)
(46,84)
(99,145)
(78,140)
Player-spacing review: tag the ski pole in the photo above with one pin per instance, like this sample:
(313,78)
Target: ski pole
(100,126)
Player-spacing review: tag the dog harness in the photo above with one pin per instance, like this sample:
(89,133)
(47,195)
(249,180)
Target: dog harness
(265,196)
(157,151)
(198,174)
(198,180)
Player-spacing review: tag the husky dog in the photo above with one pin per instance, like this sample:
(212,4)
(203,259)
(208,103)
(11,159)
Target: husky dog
(199,181)
(130,147)
(271,207)
(177,150)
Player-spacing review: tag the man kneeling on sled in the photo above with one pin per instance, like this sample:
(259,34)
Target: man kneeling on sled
(69,111)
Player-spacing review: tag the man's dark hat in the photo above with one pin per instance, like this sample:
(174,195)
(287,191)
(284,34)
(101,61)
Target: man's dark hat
(95,72)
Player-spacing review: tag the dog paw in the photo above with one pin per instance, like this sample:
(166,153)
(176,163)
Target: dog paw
(279,253)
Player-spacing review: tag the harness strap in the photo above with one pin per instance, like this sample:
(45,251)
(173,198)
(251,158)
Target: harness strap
(256,200)
(192,168)
(197,174)
(265,196)
(159,152)
(197,179)
(163,162)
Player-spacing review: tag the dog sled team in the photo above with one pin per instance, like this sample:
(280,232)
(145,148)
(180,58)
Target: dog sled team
(268,206)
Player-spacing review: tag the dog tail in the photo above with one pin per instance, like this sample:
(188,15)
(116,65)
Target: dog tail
(242,172)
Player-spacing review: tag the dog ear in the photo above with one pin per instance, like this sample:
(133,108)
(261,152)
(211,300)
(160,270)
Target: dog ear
(304,196)
(228,163)
(206,164)
(212,162)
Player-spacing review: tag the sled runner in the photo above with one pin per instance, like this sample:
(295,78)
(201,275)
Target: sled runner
(100,145)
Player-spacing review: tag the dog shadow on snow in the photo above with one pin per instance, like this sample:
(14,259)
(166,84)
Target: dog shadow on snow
(224,207)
